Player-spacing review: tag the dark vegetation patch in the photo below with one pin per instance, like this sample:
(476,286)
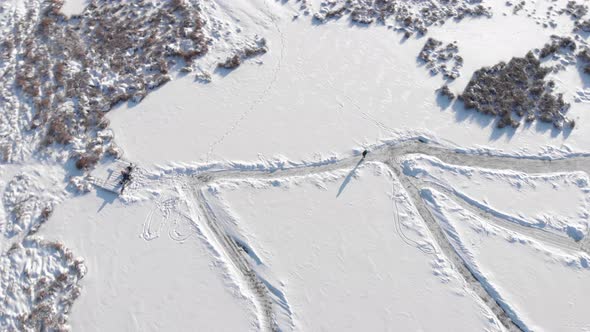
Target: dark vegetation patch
(516,90)
(517,7)
(87,161)
(411,17)
(247,52)
(558,45)
(584,58)
(446,92)
(230,63)
(73,70)
(439,58)
(582,25)
(575,10)
(564,49)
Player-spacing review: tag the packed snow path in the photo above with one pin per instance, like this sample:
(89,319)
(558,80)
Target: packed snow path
(229,249)
(389,155)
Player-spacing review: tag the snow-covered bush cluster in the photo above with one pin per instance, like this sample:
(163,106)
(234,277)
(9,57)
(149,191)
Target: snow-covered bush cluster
(27,204)
(546,13)
(558,44)
(575,10)
(62,74)
(232,62)
(567,51)
(39,282)
(446,92)
(516,90)
(409,16)
(441,59)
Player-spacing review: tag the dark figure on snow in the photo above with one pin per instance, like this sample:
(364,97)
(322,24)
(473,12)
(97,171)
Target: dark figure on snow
(365,153)
(125,177)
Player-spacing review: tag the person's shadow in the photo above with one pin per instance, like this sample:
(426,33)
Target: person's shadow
(348,177)
(108,197)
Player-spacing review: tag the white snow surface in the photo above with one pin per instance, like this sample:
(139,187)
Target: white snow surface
(557,202)
(73,7)
(342,255)
(544,288)
(139,282)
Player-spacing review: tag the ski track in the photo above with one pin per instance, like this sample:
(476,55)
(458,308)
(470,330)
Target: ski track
(261,290)
(262,95)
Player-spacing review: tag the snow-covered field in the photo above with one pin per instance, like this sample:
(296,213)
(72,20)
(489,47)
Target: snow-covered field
(140,282)
(250,205)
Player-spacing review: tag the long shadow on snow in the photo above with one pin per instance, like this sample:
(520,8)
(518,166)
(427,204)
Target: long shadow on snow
(107,197)
(348,178)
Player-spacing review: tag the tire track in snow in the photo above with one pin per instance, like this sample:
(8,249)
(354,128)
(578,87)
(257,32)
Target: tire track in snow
(389,155)
(456,261)
(231,254)
(556,240)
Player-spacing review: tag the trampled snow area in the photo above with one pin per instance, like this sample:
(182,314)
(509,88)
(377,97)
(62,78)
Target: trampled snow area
(349,252)
(556,202)
(166,281)
(544,288)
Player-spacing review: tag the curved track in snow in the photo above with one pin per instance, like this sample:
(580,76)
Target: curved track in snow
(389,155)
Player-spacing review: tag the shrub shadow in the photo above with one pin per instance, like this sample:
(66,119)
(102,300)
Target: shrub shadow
(443,101)
(463,114)
(583,76)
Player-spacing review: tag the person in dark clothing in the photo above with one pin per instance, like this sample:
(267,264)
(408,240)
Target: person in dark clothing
(125,177)
(365,153)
